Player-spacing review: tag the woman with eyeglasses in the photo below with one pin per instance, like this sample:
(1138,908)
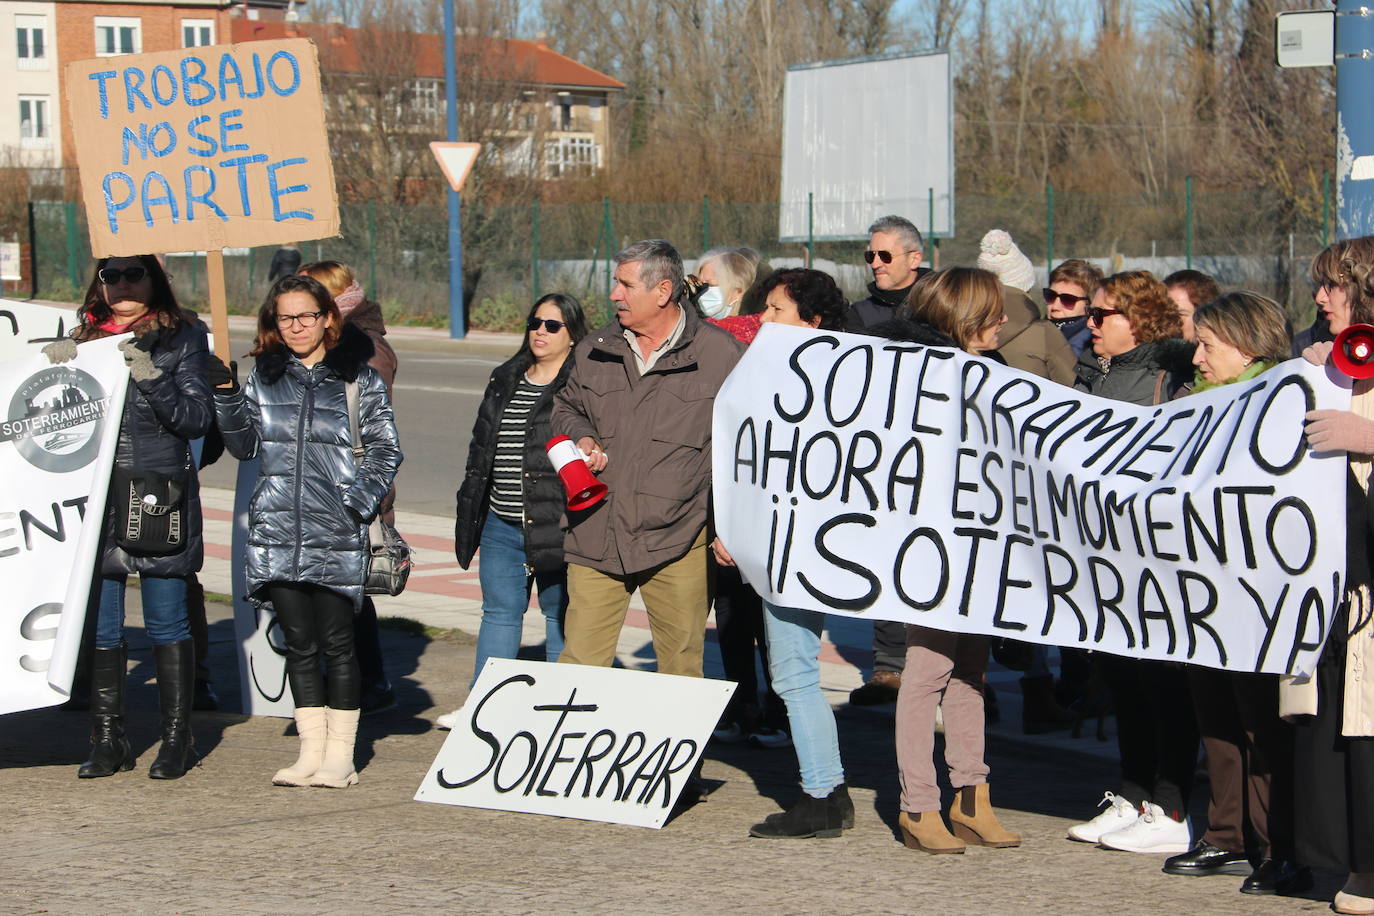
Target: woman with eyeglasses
(166,406)
(308,516)
(511,499)
(1249,748)
(1138,356)
(1334,709)
(1072,287)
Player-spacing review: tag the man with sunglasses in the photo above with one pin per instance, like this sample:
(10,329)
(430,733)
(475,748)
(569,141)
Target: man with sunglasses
(894,254)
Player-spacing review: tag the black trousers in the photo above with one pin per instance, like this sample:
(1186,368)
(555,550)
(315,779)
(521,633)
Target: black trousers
(739,631)
(317,623)
(1156,732)
(367,645)
(889,646)
(1335,776)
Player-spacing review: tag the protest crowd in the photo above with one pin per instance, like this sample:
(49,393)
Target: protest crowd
(1289,761)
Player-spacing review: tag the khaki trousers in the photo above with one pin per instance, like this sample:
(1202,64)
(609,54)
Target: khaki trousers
(675,595)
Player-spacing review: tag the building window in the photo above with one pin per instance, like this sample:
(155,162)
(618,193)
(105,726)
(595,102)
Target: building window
(31,41)
(118,36)
(594,108)
(35,129)
(428,98)
(197,33)
(571,156)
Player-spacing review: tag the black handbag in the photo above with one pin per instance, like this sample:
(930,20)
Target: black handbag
(150,512)
(388,555)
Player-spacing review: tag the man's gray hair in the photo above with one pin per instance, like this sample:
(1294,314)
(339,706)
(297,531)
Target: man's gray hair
(659,261)
(901,227)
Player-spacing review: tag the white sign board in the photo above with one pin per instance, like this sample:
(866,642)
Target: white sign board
(865,139)
(21,322)
(58,432)
(896,481)
(1305,38)
(262,647)
(10,267)
(600,744)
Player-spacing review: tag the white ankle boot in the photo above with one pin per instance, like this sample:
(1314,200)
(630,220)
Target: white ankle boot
(337,770)
(1357,897)
(310,726)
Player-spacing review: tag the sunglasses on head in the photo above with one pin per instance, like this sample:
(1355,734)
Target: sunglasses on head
(1069,300)
(552,325)
(882,255)
(110,275)
(1097,315)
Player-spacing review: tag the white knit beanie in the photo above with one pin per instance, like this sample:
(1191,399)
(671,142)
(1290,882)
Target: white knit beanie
(999,254)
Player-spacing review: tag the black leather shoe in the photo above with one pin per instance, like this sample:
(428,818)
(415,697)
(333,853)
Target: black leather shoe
(809,817)
(1278,876)
(1206,859)
(205,699)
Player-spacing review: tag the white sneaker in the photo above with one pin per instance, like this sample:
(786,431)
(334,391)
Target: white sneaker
(1154,832)
(447,720)
(1120,813)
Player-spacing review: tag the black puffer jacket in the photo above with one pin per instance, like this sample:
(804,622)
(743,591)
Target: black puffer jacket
(1147,375)
(881,306)
(161,416)
(544,497)
(307,519)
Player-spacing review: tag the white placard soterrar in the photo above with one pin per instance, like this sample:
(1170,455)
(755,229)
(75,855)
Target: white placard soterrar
(601,744)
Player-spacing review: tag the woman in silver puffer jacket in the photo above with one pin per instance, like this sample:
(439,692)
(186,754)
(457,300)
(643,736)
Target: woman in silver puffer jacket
(307,520)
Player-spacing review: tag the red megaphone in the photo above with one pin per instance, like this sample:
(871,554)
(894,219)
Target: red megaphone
(1354,352)
(583,489)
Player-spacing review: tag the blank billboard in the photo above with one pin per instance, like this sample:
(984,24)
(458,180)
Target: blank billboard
(866,138)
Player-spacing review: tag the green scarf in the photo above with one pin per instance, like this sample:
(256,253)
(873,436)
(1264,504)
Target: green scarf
(1201,384)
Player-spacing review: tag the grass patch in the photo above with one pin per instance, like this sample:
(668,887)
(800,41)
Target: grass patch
(218,598)
(416,628)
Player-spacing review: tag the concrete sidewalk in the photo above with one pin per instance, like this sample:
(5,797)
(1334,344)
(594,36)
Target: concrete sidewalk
(223,840)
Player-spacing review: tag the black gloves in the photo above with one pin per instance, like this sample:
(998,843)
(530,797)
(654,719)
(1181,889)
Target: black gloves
(219,375)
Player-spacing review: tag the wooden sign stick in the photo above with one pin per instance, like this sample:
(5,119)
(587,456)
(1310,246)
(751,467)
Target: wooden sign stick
(219,304)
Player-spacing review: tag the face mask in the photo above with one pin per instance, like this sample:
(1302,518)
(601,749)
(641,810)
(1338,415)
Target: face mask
(713,303)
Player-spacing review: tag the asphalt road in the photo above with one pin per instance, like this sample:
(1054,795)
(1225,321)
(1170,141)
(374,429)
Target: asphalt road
(439,386)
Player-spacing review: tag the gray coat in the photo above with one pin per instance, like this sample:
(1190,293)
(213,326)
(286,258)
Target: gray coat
(307,520)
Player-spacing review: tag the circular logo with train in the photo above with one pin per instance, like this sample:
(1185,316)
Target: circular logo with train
(55,418)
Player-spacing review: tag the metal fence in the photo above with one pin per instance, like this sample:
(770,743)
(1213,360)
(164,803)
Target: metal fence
(517,252)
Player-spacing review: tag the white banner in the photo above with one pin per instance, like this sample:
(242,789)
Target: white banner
(262,647)
(21,322)
(901,482)
(600,744)
(57,442)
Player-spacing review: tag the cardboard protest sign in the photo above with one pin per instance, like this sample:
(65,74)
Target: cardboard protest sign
(601,744)
(58,432)
(22,322)
(901,482)
(203,148)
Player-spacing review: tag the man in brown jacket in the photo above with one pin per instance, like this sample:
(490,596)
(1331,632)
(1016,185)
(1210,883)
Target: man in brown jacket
(638,402)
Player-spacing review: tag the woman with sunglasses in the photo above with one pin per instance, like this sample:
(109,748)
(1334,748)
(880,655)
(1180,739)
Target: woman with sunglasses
(1072,287)
(511,499)
(1334,709)
(308,516)
(1138,356)
(166,406)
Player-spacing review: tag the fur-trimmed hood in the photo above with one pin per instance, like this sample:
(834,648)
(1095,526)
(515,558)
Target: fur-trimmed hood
(905,326)
(345,359)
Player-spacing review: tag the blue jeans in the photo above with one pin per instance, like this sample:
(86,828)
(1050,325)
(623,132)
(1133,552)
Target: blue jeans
(794,646)
(164,611)
(506,595)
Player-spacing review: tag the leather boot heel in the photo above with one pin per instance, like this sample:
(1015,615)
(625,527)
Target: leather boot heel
(925,831)
(973,821)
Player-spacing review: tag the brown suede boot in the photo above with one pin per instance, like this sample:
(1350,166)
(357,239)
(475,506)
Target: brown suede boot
(926,831)
(973,821)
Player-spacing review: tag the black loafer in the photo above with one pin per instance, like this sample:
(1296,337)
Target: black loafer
(1206,859)
(1277,876)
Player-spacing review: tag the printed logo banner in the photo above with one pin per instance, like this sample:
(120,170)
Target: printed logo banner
(57,443)
(601,744)
(895,481)
(262,647)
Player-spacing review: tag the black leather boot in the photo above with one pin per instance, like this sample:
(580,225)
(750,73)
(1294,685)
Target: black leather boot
(176,674)
(111,752)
